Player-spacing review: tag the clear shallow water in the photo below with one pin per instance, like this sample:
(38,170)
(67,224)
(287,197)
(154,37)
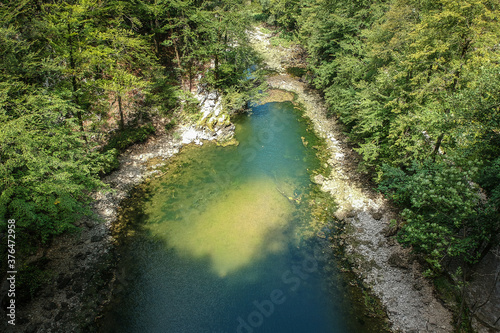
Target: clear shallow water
(221,242)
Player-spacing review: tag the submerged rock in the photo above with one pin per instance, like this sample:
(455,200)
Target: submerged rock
(319,179)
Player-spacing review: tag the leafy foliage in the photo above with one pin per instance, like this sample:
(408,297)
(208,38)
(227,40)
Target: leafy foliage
(31,278)
(123,139)
(416,84)
(73,71)
(47,170)
(444,215)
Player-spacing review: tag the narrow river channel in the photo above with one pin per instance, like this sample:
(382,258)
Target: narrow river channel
(223,241)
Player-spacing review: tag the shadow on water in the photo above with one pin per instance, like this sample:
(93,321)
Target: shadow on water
(217,244)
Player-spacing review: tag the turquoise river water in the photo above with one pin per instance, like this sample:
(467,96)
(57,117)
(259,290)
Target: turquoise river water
(223,241)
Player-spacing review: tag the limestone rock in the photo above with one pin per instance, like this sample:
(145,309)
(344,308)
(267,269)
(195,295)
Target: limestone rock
(398,259)
(483,293)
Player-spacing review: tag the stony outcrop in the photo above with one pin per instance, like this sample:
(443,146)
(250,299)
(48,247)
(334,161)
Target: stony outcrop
(483,294)
(213,118)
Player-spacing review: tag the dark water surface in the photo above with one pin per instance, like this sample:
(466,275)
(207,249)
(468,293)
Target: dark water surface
(223,242)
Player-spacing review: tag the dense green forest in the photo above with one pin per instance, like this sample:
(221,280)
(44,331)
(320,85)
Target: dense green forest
(415,82)
(82,79)
(417,86)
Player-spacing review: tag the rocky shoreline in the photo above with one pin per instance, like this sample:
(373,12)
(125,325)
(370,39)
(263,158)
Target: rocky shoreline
(82,266)
(376,258)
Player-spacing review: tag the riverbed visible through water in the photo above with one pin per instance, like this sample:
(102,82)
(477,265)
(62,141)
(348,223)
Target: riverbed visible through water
(224,241)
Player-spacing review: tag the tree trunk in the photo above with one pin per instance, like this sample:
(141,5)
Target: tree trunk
(462,298)
(216,68)
(179,64)
(488,246)
(216,62)
(122,121)
(177,58)
(74,85)
(438,145)
(190,71)
(79,112)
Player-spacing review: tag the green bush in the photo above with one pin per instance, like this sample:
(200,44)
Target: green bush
(120,141)
(442,210)
(31,278)
(296,71)
(170,125)
(124,139)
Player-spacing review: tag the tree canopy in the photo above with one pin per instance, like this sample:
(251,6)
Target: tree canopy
(77,75)
(416,84)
